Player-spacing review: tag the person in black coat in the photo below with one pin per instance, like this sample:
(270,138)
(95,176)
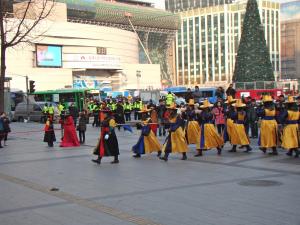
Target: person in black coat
(231,91)
(189,95)
(119,114)
(6,127)
(82,121)
(74,113)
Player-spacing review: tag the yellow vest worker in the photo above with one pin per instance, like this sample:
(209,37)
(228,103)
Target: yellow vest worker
(169,98)
(51,110)
(60,108)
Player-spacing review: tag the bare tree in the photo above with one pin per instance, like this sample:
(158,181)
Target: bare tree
(16,26)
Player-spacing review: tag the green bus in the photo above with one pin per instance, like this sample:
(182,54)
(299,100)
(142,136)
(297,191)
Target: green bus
(78,97)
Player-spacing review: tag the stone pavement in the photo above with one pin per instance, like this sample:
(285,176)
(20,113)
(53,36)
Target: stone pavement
(232,189)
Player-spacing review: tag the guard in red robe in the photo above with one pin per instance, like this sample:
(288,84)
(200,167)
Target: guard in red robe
(70,138)
(108,142)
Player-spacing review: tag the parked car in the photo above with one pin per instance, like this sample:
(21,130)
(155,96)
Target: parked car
(34,111)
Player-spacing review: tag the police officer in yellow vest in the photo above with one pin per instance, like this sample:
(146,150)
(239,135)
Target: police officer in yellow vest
(137,106)
(113,106)
(51,111)
(60,108)
(170,98)
(45,113)
(127,110)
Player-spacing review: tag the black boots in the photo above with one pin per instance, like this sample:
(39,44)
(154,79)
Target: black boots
(184,156)
(233,149)
(297,153)
(98,161)
(158,153)
(264,150)
(219,150)
(248,148)
(165,157)
(199,153)
(137,155)
(290,152)
(116,160)
(274,151)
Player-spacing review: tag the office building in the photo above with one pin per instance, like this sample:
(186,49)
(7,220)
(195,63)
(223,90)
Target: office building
(208,40)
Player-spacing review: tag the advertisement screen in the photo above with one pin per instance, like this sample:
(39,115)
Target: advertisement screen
(48,56)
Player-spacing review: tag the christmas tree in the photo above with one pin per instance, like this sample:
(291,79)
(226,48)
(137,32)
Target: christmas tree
(253,59)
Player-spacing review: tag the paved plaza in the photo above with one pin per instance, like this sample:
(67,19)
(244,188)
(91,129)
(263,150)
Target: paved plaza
(44,186)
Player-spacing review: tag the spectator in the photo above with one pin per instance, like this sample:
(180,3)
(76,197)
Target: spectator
(230,91)
(252,118)
(218,112)
(81,127)
(189,95)
(1,131)
(73,111)
(197,94)
(220,93)
(151,104)
(6,126)
(119,115)
(161,109)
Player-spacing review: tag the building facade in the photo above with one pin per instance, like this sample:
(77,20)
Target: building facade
(208,40)
(290,40)
(183,5)
(84,44)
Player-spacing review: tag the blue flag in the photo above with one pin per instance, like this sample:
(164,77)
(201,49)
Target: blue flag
(128,128)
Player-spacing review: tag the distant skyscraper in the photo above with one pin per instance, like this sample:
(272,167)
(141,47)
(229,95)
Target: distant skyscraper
(183,5)
(290,40)
(208,40)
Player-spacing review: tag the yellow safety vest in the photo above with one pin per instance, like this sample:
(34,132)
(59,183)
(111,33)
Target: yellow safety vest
(51,110)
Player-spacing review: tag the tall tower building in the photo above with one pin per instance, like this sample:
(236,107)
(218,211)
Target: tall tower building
(208,40)
(183,5)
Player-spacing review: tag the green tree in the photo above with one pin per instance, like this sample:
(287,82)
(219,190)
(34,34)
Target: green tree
(253,59)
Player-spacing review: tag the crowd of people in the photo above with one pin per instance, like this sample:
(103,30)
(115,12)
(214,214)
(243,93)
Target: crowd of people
(207,125)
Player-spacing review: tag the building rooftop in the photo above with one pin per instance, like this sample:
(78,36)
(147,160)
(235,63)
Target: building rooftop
(115,12)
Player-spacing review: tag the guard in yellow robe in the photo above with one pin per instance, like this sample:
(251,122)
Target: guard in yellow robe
(209,137)
(192,128)
(147,142)
(238,133)
(290,136)
(175,141)
(268,137)
(229,122)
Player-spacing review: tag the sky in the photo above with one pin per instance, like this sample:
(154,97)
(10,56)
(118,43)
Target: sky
(159,3)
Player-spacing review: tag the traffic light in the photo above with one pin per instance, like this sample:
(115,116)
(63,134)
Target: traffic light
(31,86)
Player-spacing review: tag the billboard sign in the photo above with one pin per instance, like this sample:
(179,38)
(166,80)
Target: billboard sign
(48,56)
(91,61)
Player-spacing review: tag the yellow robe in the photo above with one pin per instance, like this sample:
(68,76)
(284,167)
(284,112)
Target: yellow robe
(268,130)
(210,138)
(290,136)
(238,133)
(176,139)
(229,125)
(151,143)
(193,132)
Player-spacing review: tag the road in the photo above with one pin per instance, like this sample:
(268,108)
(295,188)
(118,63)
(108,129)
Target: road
(45,186)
